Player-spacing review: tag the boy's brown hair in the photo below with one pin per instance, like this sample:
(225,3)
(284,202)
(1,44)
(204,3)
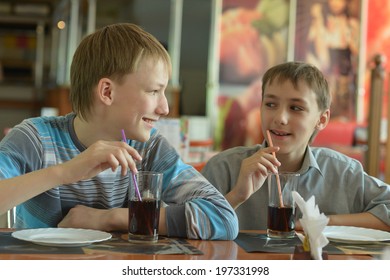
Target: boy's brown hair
(111,52)
(300,71)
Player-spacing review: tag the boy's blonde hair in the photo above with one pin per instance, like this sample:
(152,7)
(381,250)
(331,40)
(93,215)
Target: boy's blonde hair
(112,52)
(300,71)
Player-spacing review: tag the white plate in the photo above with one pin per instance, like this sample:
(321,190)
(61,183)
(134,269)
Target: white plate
(355,235)
(61,237)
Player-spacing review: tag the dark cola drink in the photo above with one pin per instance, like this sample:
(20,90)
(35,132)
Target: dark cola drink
(143,220)
(281,222)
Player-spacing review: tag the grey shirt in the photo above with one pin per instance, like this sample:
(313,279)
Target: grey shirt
(339,184)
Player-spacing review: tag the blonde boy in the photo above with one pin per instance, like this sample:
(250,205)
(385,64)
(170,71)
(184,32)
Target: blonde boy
(72,171)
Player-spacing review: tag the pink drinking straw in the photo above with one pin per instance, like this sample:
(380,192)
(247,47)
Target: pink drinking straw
(277,175)
(124,139)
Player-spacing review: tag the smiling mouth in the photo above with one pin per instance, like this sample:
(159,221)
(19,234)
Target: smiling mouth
(149,121)
(278,133)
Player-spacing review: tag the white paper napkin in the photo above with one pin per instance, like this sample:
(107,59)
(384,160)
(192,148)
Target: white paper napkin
(386,254)
(313,223)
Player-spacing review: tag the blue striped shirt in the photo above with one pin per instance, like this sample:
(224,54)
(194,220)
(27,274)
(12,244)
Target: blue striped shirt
(195,209)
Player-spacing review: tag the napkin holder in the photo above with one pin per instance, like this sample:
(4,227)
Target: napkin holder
(313,222)
(301,254)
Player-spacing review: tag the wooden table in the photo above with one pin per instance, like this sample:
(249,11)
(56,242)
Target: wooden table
(212,250)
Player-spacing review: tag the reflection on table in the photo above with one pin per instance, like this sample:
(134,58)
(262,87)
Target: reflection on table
(118,248)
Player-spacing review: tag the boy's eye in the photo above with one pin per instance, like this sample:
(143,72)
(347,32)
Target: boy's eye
(296,108)
(270,104)
(153,92)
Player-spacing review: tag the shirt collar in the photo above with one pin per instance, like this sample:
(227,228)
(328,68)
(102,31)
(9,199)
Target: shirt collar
(309,161)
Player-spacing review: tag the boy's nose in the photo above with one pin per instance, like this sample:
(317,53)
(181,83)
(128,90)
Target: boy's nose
(162,107)
(281,117)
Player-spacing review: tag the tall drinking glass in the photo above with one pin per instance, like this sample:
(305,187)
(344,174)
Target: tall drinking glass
(144,206)
(281,208)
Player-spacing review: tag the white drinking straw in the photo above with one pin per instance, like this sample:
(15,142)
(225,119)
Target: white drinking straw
(124,139)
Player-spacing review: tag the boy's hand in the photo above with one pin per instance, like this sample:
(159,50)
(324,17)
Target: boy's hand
(253,173)
(99,157)
(82,216)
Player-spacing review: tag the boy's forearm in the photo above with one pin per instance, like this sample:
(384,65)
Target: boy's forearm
(234,200)
(366,220)
(16,190)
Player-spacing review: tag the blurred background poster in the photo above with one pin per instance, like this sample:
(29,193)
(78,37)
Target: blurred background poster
(253,38)
(327,35)
(378,42)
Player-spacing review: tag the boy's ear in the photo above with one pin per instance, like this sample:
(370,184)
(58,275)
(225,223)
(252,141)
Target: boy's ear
(324,120)
(104,91)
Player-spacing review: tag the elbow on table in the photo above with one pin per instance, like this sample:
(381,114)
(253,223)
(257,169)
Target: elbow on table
(228,229)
